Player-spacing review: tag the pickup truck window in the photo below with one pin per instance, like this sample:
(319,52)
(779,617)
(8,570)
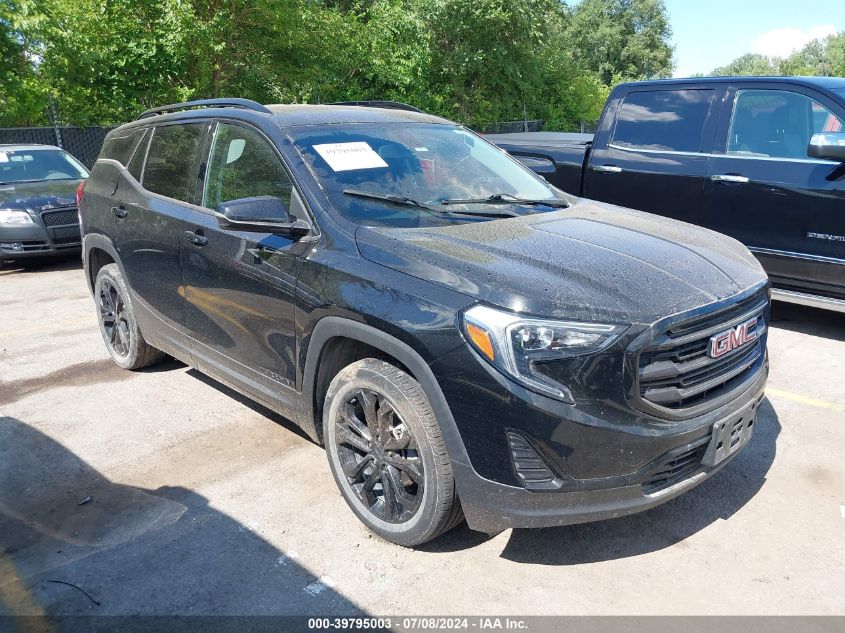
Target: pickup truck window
(665,120)
(777,124)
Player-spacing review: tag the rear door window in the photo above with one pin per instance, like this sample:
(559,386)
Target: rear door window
(663,120)
(171,168)
(777,124)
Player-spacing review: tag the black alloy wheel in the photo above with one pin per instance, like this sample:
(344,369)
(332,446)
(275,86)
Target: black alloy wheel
(379,456)
(114,319)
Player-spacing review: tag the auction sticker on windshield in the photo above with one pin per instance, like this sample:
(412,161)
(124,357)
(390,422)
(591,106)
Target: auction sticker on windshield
(348,156)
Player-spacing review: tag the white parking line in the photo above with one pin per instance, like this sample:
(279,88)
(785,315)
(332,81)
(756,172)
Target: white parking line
(319,586)
(284,558)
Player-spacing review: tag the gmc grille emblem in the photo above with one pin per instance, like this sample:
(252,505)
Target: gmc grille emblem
(729,340)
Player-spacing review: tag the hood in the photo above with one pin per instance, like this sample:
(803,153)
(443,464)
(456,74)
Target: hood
(589,262)
(36,195)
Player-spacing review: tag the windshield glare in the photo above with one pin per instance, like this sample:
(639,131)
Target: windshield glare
(428,163)
(39,164)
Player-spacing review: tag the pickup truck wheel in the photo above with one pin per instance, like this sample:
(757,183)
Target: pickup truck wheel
(120,331)
(387,454)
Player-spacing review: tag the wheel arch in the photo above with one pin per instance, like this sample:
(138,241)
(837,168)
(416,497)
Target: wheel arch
(98,251)
(331,327)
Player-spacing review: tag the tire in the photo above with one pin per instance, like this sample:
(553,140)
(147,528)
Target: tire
(121,334)
(393,471)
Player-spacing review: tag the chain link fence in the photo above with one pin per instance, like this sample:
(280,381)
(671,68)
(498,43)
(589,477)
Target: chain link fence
(82,143)
(508,127)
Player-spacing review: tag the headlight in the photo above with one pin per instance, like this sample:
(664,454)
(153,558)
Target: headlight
(14,216)
(515,345)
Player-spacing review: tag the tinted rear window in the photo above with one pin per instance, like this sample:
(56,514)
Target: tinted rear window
(171,164)
(120,144)
(668,120)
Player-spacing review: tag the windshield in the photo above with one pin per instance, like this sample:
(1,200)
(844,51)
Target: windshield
(28,165)
(419,174)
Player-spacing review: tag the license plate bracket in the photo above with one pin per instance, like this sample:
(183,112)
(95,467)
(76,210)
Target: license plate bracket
(729,436)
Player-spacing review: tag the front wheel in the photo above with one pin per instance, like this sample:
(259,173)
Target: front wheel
(387,454)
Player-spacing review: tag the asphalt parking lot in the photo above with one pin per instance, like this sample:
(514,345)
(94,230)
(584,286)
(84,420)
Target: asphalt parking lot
(203,503)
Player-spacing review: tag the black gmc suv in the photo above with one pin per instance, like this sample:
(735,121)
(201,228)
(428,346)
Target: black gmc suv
(761,159)
(464,338)
(38,218)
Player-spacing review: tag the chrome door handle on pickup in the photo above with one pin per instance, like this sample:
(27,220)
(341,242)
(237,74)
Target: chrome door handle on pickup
(197,239)
(608,169)
(729,178)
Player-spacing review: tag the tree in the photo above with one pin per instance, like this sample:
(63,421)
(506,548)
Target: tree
(821,57)
(477,61)
(106,60)
(23,98)
(621,40)
(751,64)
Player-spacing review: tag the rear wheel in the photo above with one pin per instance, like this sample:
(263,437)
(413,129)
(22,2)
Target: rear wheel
(387,454)
(118,325)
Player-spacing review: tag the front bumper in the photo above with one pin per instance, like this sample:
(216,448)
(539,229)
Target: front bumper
(36,240)
(601,469)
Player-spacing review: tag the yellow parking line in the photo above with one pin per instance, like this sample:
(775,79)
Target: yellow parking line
(47,326)
(16,598)
(797,397)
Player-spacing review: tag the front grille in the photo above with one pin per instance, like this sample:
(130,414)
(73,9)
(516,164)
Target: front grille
(65,217)
(675,371)
(676,467)
(71,240)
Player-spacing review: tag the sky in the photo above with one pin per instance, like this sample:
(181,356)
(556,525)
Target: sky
(710,33)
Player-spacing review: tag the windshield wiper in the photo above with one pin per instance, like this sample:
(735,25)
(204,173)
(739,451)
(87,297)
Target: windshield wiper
(506,198)
(410,202)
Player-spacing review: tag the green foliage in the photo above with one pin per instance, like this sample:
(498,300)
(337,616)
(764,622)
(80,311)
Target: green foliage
(751,64)
(822,58)
(23,99)
(621,40)
(476,61)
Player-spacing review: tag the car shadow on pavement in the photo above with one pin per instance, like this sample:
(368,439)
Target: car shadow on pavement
(248,402)
(807,320)
(717,498)
(67,262)
(74,543)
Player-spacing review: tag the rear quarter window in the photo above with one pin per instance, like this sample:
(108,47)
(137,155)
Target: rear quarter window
(120,144)
(171,166)
(663,120)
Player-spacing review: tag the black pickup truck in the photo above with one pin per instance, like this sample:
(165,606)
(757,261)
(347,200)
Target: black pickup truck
(761,159)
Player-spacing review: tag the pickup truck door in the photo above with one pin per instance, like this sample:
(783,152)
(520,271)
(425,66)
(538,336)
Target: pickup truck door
(651,149)
(763,189)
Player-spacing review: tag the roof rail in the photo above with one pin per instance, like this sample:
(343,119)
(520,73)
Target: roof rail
(391,105)
(246,104)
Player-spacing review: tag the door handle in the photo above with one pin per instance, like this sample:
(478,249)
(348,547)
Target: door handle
(608,169)
(119,212)
(729,178)
(196,239)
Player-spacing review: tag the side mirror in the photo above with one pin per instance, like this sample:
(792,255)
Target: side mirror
(829,145)
(261,214)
